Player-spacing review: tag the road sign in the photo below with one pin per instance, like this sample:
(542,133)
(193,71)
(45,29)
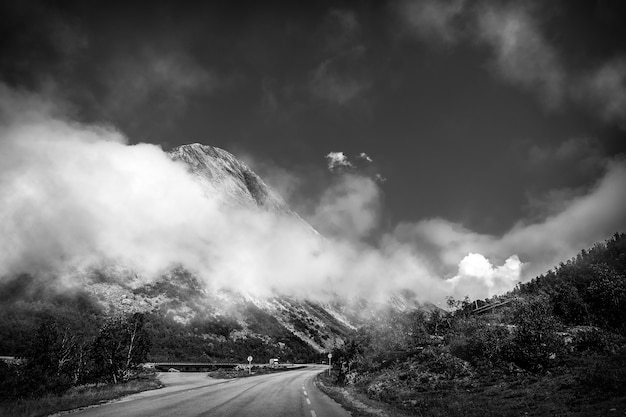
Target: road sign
(330,355)
(249,358)
(249,365)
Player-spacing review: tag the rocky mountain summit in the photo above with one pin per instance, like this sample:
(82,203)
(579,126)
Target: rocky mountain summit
(218,170)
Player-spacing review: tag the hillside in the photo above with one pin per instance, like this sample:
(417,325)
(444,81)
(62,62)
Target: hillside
(553,346)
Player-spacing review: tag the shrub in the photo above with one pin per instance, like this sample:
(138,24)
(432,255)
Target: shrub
(479,343)
(535,342)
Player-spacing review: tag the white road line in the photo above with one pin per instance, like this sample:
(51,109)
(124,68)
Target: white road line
(313,413)
(308,401)
(305,393)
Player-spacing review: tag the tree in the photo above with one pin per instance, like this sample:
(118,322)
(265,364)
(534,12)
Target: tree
(121,345)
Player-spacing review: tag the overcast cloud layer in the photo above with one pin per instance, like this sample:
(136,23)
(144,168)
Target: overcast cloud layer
(447,147)
(78,196)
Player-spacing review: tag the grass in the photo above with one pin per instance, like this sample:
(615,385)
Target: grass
(357,403)
(592,386)
(77,397)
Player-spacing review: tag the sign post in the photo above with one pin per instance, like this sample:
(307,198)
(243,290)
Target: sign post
(330,355)
(249,365)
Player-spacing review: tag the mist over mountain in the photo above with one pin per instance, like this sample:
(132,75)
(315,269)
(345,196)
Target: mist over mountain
(193,238)
(78,197)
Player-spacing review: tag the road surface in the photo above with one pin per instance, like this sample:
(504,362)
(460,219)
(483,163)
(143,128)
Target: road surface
(289,394)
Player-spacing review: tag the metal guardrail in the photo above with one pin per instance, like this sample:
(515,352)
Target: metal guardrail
(205,366)
(489,307)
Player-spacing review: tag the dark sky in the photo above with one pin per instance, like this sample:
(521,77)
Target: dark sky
(485,114)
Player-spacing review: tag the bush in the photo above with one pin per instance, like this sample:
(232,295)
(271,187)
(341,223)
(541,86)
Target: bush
(594,340)
(535,342)
(479,343)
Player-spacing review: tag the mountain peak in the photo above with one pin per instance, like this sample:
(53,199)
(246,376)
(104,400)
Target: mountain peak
(216,168)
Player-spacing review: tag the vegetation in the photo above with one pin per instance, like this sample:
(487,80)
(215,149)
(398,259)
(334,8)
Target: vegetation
(68,346)
(59,356)
(76,397)
(554,346)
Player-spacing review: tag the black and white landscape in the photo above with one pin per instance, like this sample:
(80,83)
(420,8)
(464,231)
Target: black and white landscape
(431,192)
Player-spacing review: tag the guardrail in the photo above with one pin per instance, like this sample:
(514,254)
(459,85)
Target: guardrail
(204,366)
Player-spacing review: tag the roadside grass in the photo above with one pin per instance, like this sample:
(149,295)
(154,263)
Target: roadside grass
(357,403)
(580,387)
(77,397)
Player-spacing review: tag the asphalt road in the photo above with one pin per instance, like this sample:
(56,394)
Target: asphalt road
(289,394)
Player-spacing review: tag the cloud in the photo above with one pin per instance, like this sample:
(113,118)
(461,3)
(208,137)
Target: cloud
(580,155)
(432,20)
(337,160)
(164,77)
(362,163)
(349,209)
(541,244)
(341,29)
(340,77)
(478,278)
(522,54)
(365,157)
(329,84)
(78,197)
(605,90)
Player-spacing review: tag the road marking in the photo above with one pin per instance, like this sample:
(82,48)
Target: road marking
(305,393)
(308,401)
(313,413)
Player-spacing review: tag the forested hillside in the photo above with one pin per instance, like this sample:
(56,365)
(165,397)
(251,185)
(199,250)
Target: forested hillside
(554,346)
(589,289)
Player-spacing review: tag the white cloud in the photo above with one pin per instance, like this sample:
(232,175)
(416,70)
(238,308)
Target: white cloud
(78,196)
(349,209)
(478,278)
(541,244)
(365,157)
(337,160)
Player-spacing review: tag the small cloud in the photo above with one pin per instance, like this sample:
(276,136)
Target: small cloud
(478,278)
(379,178)
(365,157)
(337,160)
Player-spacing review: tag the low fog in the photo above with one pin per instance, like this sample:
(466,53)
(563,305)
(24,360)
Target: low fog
(76,197)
